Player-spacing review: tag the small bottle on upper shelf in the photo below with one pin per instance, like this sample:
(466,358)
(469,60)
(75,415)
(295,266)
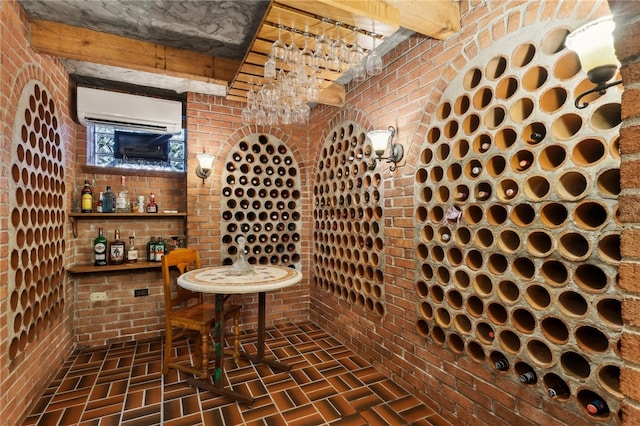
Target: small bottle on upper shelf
(100,249)
(152,207)
(123,202)
(86,200)
(108,201)
(116,250)
(99,204)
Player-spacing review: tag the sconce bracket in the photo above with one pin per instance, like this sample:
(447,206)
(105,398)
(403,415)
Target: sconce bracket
(396,153)
(601,89)
(203,173)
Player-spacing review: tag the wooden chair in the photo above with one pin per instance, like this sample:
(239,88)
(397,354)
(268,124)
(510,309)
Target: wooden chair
(186,312)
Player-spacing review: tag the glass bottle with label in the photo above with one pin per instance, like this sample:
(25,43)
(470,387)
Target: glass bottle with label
(100,249)
(123,202)
(132,252)
(116,250)
(99,204)
(152,207)
(86,200)
(108,201)
(151,250)
(160,249)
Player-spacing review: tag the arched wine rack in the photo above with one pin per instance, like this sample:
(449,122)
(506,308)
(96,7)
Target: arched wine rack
(37,217)
(348,224)
(527,276)
(261,201)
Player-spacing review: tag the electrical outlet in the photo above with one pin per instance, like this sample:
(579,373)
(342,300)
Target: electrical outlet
(98,296)
(140,292)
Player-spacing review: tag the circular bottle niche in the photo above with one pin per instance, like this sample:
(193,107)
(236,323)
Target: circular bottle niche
(261,195)
(533,172)
(348,216)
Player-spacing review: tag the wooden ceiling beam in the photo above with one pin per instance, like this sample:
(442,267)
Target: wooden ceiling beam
(333,94)
(92,46)
(439,19)
(371,15)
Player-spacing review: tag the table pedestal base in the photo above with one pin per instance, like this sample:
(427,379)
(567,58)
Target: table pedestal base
(259,358)
(206,385)
(276,365)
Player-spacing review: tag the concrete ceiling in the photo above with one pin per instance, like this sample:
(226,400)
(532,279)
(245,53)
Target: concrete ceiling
(206,46)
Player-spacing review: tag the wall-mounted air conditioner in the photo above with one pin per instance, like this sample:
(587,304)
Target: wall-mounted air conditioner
(128,111)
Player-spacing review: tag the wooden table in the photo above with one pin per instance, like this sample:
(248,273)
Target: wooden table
(223,281)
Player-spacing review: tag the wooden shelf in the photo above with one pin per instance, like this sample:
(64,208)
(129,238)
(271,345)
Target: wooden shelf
(74,217)
(88,268)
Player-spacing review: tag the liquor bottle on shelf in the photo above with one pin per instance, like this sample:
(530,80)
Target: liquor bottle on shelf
(152,207)
(116,250)
(175,242)
(108,201)
(86,200)
(100,249)
(151,250)
(99,204)
(132,252)
(160,249)
(123,202)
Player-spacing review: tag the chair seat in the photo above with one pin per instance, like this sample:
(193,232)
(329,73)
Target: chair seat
(186,313)
(202,313)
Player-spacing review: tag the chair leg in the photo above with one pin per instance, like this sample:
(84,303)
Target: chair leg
(194,338)
(168,345)
(204,367)
(236,337)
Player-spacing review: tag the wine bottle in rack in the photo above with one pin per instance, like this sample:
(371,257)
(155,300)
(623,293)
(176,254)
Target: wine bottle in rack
(528,377)
(558,389)
(597,406)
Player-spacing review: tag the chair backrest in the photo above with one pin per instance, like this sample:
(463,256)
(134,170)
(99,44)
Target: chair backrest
(184,260)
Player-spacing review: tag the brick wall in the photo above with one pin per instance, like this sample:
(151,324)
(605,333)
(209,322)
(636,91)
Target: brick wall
(406,95)
(23,379)
(627,36)
(214,126)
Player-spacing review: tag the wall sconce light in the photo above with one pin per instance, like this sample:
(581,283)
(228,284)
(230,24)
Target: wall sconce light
(380,139)
(593,42)
(205,164)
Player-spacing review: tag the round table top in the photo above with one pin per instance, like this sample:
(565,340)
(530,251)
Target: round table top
(222,280)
